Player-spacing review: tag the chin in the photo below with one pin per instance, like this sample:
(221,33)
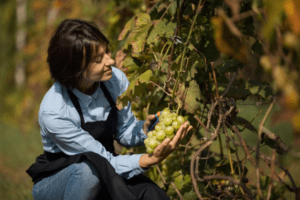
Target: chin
(107,77)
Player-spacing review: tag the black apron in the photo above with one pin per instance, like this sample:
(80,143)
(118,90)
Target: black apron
(138,187)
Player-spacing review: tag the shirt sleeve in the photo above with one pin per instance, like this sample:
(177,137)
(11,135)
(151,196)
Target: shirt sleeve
(129,129)
(73,140)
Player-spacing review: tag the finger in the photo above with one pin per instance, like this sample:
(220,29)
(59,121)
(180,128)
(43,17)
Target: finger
(163,145)
(150,118)
(177,139)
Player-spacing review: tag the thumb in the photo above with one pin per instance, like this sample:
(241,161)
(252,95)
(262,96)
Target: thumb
(151,117)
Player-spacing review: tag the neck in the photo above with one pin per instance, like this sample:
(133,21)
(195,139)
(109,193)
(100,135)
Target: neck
(88,89)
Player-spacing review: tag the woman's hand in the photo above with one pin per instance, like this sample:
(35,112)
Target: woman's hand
(165,148)
(147,123)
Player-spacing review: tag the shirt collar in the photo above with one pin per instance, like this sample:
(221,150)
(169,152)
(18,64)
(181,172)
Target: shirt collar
(86,99)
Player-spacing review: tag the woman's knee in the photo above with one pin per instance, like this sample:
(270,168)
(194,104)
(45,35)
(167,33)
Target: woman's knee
(88,174)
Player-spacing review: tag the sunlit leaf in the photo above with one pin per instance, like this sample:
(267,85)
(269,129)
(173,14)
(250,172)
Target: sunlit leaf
(128,26)
(292,10)
(138,35)
(227,40)
(260,88)
(193,96)
(137,87)
(274,10)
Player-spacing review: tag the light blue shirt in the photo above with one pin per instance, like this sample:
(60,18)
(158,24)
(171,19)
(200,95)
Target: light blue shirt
(61,127)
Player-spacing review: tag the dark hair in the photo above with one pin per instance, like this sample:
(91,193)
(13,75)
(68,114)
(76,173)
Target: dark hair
(65,51)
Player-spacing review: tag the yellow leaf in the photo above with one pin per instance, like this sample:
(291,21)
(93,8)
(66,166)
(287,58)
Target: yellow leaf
(57,4)
(227,39)
(296,122)
(291,94)
(292,10)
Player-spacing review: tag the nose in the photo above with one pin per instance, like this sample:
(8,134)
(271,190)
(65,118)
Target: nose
(109,60)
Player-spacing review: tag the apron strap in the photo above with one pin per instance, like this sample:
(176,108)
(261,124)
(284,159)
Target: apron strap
(76,104)
(107,95)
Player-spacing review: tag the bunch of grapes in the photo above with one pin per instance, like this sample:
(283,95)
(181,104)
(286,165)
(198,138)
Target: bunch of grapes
(169,123)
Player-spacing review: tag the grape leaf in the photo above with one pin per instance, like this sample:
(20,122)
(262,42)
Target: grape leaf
(191,102)
(191,195)
(234,92)
(163,28)
(137,87)
(128,26)
(231,65)
(138,35)
(257,47)
(181,181)
(260,88)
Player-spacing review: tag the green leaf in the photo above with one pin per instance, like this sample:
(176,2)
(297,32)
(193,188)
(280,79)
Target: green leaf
(191,102)
(163,28)
(138,35)
(259,88)
(195,61)
(182,181)
(172,9)
(230,66)
(257,47)
(191,195)
(236,92)
(136,88)
(264,182)
(179,182)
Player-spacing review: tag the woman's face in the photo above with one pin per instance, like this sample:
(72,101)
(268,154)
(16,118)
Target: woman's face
(99,69)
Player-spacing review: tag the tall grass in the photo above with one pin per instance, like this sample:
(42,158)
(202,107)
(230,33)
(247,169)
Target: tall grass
(17,152)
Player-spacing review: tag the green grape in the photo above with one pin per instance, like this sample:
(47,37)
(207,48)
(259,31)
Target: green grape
(146,141)
(160,118)
(169,130)
(176,125)
(150,150)
(180,119)
(166,109)
(158,127)
(167,121)
(165,113)
(160,135)
(152,143)
(150,134)
(227,183)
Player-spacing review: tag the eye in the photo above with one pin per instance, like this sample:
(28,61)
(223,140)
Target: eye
(98,59)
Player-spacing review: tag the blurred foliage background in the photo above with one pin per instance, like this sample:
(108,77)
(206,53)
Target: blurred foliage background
(26,28)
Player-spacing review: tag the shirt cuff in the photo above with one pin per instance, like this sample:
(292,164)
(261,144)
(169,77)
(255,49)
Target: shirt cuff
(136,166)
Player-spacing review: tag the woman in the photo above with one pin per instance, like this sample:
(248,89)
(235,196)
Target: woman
(79,121)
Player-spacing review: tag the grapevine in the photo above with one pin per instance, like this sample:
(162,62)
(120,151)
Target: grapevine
(191,60)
